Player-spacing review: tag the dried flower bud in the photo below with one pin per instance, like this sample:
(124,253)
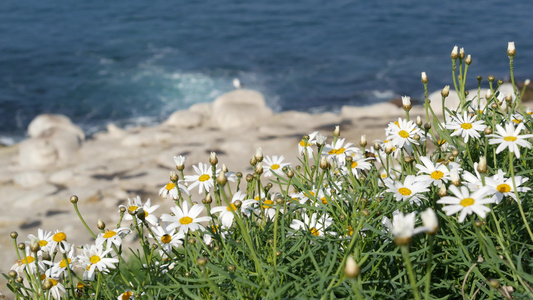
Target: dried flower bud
(290,173)
(231,268)
(424,78)
(47,284)
(511,50)
(351,269)
(337,131)
(320,140)
(445,91)
(508,98)
(462,53)
(491,78)
(406,103)
(500,82)
(389,148)
(376,145)
(213,160)
(416,137)
(253,161)
(100,224)
(34,245)
(74,199)
(259,154)
(237,203)
(259,168)
(14,234)
(363,141)
(427,126)
(455,52)
(12,273)
(208,199)
(478,223)
(141,214)
(249,177)
(455,152)
(21,246)
(468,59)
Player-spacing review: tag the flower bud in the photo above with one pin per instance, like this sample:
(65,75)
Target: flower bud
(141,214)
(208,199)
(12,273)
(406,103)
(180,162)
(442,192)
(491,78)
(455,152)
(427,126)
(34,245)
(389,147)
(100,224)
(527,82)
(259,168)
(455,52)
(351,269)
(259,154)
(253,161)
(231,268)
(424,78)
(468,59)
(201,261)
(213,160)
(445,91)
(320,140)
(511,50)
(363,141)
(323,163)
(224,169)
(14,234)
(47,284)
(494,283)
(237,203)
(508,98)
(222,179)
(249,177)
(337,131)
(462,53)
(377,146)
(429,219)
(74,199)
(418,121)
(173,176)
(482,165)
(454,176)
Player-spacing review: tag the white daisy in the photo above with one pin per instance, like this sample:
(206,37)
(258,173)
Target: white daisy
(315,225)
(466,126)
(410,189)
(57,290)
(112,237)
(59,242)
(274,164)
(339,150)
(510,138)
(466,202)
(95,257)
(402,227)
(61,268)
(501,186)
(180,161)
(203,179)
(44,238)
(305,146)
(434,174)
(226,212)
(148,210)
(28,261)
(171,190)
(167,238)
(185,219)
(402,134)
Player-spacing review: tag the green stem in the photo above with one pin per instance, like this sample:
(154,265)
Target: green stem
(410,271)
(83,221)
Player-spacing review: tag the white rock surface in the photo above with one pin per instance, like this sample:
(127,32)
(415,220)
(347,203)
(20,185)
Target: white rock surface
(240,108)
(44,122)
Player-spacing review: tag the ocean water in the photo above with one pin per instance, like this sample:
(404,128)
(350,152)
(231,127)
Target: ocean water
(135,62)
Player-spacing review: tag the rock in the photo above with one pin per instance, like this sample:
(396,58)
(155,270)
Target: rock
(184,119)
(379,110)
(44,122)
(204,109)
(63,177)
(240,108)
(29,179)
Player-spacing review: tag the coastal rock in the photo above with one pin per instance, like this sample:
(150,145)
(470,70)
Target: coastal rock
(44,122)
(184,119)
(379,110)
(204,109)
(240,108)
(29,179)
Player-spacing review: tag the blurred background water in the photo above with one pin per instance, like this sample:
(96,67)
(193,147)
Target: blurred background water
(135,62)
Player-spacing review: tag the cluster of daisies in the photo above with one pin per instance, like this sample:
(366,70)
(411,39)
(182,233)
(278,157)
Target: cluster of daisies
(404,174)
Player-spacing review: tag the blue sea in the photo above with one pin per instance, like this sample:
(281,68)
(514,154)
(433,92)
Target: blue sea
(135,62)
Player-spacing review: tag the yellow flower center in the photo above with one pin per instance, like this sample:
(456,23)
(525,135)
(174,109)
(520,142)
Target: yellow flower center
(303,143)
(166,238)
(517,121)
(94,259)
(43,243)
(510,138)
(186,220)
(441,142)
(274,167)
(109,234)
(314,232)
(231,207)
(127,295)
(340,151)
(170,186)
(324,200)
(404,191)
(466,126)
(268,202)
(63,263)
(28,259)
(396,123)
(132,208)
(354,164)
(59,237)
(204,177)
(503,188)
(403,134)
(467,202)
(350,230)
(53,281)
(437,175)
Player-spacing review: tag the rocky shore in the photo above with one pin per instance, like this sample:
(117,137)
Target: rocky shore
(38,175)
